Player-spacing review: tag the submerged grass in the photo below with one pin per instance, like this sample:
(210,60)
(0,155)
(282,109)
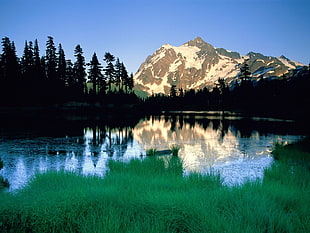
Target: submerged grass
(152,195)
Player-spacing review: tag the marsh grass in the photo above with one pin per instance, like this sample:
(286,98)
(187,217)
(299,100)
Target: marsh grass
(175,149)
(151,152)
(152,195)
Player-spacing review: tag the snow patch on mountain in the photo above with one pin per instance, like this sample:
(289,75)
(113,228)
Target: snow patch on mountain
(188,53)
(288,63)
(197,64)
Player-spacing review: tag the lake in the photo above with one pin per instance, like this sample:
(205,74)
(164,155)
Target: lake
(235,146)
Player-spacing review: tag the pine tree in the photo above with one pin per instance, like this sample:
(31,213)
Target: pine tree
(124,77)
(244,93)
(245,72)
(61,66)
(79,70)
(222,90)
(10,73)
(10,66)
(130,82)
(173,91)
(221,85)
(94,73)
(37,65)
(118,73)
(70,77)
(27,63)
(50,59)
(181,92)
(44,69)
(109,70)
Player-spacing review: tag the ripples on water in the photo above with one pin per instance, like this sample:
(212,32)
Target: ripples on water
(237,148)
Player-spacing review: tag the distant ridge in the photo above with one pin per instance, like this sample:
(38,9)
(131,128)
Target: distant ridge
(197,64)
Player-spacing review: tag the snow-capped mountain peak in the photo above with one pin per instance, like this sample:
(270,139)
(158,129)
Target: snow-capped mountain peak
(197,64)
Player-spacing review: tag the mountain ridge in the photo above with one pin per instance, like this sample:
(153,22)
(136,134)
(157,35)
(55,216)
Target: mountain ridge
(197,64)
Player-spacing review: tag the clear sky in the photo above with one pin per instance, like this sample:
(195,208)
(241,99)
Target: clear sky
(134,29)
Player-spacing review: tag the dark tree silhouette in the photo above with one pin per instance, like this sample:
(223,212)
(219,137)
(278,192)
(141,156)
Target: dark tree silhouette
(61,66)
(9,60)
(181,93)
(10,73)
(223,92)
(130,83)
(79,70)
(118,74)
(94,73)
(124,78)
(70,78)
(50,59)
(53,79)
(245,73)
(27,63)
(173,91)
(39,72)
(109,70)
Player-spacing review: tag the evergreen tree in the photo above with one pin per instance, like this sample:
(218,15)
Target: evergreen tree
(118,73)
(44,69)
(173,91)
(50,59)
(37,65)
(79,70)
(124,77)
(61,66)
(221,85)
(181,93)
(222,91)
(130,83)
(27,63)
(245,72)
(10,66)
(94,73)
(244,94)
(10,84)
(70,76)
(109,70)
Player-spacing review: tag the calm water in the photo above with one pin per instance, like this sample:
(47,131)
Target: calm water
(238,148)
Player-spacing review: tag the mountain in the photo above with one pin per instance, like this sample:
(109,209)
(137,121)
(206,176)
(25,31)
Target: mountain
(197,64)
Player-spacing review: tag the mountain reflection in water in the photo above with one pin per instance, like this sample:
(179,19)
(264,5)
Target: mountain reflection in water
(238,148)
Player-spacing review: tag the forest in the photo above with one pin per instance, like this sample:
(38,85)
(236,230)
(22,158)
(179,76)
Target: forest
(34,80)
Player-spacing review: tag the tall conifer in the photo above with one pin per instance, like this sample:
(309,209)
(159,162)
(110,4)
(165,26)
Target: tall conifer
(61,66)
(95,72)
(109,70)
(50,59)
(79,70)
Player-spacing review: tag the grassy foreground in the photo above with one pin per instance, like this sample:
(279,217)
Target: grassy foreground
(151,195)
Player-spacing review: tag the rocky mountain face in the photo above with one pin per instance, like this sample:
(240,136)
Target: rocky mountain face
(197,64)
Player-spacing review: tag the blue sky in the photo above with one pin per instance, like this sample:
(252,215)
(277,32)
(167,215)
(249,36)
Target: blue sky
(134,29)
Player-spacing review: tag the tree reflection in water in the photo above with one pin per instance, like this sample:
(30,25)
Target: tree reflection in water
(235,146)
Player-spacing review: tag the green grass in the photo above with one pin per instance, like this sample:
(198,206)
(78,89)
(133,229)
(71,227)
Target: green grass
(151,152)
(152,195)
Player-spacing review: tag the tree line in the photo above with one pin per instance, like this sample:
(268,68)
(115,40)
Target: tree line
(34,79)
(39,80)
(286,96)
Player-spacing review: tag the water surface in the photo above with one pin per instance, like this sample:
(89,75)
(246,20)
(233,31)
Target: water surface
(239,148)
